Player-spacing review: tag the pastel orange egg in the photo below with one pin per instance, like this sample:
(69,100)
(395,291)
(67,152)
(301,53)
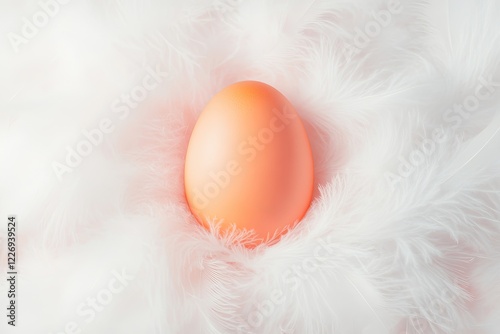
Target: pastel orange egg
(249,161)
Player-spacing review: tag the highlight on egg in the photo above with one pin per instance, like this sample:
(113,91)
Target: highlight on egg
(249,162)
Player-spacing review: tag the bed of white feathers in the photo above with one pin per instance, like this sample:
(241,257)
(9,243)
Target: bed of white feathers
(401,103)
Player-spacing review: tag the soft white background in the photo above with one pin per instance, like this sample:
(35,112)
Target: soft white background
(421,256)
